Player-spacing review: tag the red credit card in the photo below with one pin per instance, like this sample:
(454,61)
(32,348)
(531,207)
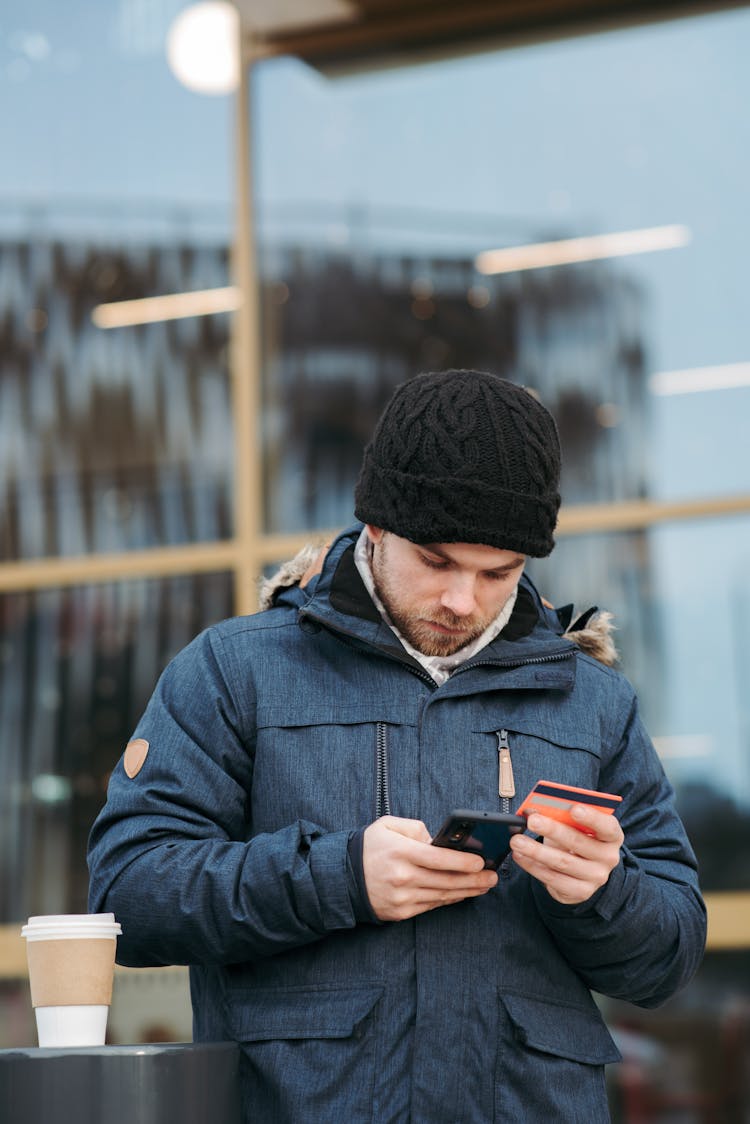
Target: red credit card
(555,800)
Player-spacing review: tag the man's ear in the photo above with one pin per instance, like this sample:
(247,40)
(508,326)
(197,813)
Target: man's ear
(375,533)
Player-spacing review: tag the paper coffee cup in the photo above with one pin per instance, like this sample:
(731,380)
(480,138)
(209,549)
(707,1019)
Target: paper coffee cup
(71,961)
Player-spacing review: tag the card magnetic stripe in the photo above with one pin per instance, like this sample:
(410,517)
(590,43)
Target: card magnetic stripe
(554,794)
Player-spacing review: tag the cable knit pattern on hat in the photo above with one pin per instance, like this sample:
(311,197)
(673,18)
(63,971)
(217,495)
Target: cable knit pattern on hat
(463,456)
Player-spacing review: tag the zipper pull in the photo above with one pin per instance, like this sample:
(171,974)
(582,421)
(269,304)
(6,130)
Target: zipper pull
(506,786)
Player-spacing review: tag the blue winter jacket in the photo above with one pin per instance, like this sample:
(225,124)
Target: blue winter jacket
(274,739)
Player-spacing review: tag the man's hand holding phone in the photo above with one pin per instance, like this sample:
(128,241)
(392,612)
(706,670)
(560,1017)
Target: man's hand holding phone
(578,846)
(406,876)
(571,862)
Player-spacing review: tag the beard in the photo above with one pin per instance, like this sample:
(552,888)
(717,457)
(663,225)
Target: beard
(421,624)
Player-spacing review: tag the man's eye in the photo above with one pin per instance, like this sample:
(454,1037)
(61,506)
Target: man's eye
(433,563)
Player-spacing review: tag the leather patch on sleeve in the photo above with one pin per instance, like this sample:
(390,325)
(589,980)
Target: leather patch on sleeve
(135,755)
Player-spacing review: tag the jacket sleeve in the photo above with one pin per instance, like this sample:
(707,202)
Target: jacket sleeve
(169,853)
(641,937)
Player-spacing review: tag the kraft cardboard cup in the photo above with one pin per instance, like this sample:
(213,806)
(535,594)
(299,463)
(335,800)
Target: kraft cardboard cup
(71,961)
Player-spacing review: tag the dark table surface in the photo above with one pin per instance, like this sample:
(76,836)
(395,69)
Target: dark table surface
(153,1083)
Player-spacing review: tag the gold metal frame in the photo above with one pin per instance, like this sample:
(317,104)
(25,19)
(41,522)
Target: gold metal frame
(250,550)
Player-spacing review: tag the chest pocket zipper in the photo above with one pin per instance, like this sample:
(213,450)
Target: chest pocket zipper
(506,786)
(383,795)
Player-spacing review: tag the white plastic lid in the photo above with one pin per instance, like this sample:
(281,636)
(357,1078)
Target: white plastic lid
(72,926)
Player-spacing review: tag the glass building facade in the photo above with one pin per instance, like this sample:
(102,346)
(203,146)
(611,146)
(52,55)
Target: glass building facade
(375,196)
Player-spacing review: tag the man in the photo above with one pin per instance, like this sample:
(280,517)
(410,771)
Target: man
(271,822)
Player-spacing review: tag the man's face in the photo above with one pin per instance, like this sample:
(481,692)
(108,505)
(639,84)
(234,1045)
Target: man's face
(442,596)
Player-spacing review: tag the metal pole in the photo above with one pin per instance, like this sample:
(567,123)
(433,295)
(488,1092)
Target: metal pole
(245,362)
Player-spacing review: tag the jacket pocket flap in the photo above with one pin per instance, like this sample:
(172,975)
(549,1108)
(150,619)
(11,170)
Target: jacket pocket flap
(318,1012)
(575,1033)
(534,726)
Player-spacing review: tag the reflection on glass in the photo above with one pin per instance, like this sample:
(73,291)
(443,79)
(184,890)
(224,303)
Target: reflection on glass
(341,332)
(109,440)
(372,220)
(77,667)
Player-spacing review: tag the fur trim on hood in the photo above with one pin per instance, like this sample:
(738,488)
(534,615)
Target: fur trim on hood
(291,573)
(596,638)
(593,636)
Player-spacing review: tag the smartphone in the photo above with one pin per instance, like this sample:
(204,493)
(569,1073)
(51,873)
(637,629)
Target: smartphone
(482,833)
(555,800)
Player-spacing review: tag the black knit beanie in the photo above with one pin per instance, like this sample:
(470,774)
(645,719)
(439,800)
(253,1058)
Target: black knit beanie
(463,456)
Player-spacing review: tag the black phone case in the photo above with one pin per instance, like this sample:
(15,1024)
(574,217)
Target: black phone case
(481,833)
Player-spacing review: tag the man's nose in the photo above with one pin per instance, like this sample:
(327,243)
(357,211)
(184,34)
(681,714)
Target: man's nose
(459,596)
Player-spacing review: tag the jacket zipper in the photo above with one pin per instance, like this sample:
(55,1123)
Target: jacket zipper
(556,658)
(383,796)
(506,786)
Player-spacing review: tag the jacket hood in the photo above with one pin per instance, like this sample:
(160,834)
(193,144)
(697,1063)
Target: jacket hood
(592,631)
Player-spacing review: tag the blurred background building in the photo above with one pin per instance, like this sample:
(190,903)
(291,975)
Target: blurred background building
(208,291)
